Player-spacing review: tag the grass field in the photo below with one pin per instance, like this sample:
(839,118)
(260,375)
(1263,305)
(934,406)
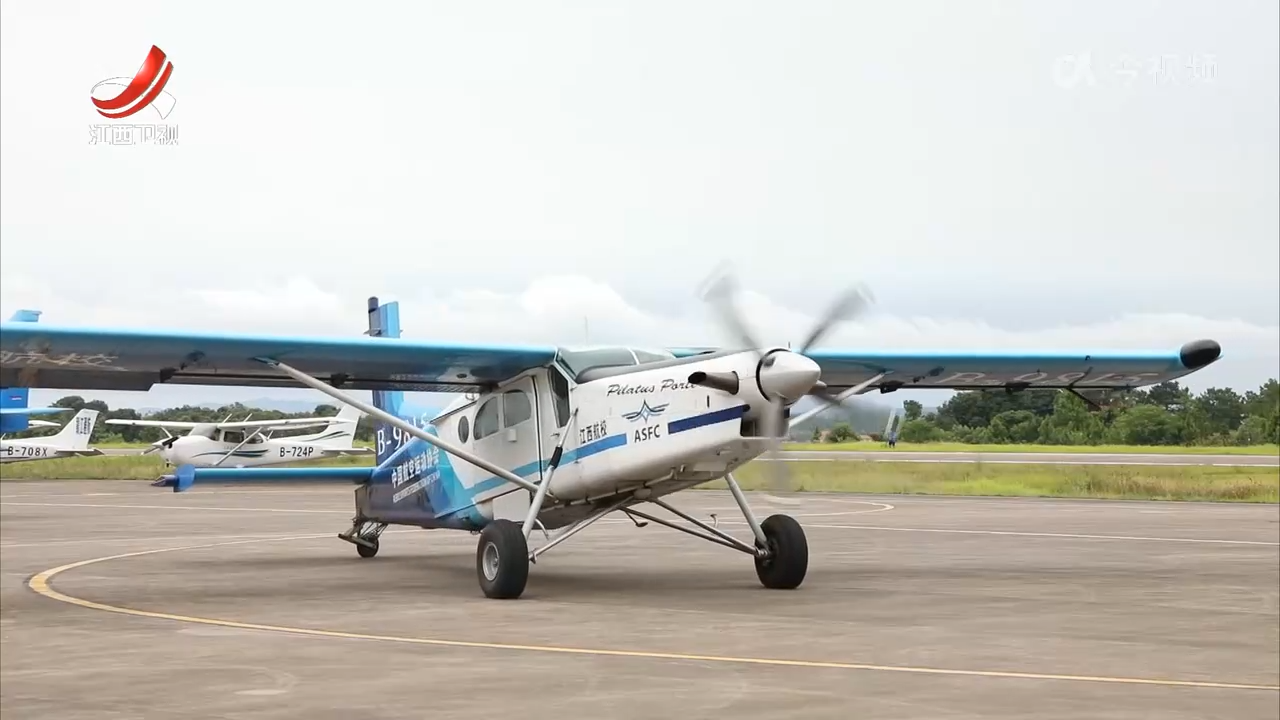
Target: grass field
(1207,483)
(1234,484)
(1111,449)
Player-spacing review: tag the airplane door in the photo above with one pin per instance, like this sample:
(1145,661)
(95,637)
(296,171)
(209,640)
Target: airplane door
(505,432)
(554,411)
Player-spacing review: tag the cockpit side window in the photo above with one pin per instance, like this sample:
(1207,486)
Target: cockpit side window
(560,394)
(487,419)
(515,408)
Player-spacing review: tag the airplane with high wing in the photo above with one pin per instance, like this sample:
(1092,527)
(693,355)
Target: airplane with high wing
(71,441)
(553,438)
(249,443)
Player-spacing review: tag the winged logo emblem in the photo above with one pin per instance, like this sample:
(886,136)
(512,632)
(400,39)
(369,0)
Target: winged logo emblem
(645,412)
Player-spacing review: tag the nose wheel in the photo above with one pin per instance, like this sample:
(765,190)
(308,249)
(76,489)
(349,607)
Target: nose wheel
(785,560)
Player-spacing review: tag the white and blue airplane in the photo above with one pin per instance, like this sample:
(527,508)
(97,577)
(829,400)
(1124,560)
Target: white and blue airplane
(555,438)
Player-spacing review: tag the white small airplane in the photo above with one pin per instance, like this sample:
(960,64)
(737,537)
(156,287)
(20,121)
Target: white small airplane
(248,443)
(553,439)
(71,441)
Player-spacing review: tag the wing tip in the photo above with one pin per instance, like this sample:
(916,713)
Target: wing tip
(1199,353)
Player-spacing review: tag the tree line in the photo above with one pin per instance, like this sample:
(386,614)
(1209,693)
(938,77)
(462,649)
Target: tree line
(1163,414)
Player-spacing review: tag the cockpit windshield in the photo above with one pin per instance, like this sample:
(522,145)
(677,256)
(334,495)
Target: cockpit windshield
(577,361)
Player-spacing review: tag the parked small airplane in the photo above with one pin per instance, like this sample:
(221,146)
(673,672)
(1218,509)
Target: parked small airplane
(557,438)
(248,443)
(71,441)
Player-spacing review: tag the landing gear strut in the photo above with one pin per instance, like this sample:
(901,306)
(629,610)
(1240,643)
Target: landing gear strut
(780,551)
(364,535)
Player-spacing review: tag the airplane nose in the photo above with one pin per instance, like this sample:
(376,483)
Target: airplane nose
(788,375)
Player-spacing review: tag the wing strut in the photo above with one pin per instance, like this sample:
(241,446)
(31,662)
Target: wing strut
(413,430)
(544,487)
(1091,403)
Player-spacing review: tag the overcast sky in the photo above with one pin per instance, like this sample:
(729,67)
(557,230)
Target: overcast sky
(1001,174)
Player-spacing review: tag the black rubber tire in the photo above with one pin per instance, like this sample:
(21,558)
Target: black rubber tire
(788,559)
(368,552)
(511,570)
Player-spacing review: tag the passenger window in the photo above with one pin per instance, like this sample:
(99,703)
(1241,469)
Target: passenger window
(464,429)
(487,419)
(233,436)
(560,392)
(515,408)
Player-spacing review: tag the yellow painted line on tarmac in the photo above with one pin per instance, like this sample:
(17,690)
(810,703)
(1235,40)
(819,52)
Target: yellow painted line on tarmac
(41,583)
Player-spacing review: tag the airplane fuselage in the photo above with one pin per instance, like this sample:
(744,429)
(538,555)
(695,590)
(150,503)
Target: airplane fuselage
(24,450)
(201,451)
(636,429)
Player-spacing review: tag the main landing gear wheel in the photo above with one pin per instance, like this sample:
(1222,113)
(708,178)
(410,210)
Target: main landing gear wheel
(787,560)
(502,560)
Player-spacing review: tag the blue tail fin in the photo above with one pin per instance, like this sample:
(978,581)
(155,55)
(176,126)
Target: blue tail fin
(14,409)
(384,321)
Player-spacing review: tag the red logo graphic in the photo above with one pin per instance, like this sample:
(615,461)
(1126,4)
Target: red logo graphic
(146,88)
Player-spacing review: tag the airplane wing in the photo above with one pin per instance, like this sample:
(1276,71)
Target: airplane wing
(49,356)
(176,424)
(291,423)
(1015,370)
(32,411)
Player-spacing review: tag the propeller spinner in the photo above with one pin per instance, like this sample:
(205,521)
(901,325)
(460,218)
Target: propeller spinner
(784,376)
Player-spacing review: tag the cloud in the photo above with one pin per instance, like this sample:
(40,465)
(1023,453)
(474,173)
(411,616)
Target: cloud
(573,310)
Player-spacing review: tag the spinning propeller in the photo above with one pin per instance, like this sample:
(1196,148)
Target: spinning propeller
(159,445)
(778,370)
